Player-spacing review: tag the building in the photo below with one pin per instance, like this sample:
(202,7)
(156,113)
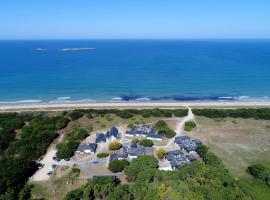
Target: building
(118,156)
(145,131)
(154,136)
(130,133)
(86,148)
(100,137)
(186,143)
(112,134)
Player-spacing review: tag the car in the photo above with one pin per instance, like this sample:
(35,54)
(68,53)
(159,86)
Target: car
(49,173)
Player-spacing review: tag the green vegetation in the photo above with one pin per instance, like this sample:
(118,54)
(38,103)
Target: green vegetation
(102,155)
(260,172)
(73,139)
(135,141)
(16,164)
(115,145)
(190,125)
(259,113)
(162,127)
(140,164)
(128,113)
(161,153)
(197,180)
(118,165)
(146,143)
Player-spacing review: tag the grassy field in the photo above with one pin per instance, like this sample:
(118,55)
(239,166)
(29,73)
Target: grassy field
(58,186)
(238,142)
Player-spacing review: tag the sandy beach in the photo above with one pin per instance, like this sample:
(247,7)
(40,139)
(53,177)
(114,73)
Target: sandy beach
(125,105)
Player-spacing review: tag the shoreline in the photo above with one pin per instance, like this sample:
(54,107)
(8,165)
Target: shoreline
(139,105)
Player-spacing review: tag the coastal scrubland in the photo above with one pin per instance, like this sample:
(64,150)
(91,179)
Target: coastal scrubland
(233,141)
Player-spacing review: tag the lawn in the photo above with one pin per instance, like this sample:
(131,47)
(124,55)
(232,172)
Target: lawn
(238,142)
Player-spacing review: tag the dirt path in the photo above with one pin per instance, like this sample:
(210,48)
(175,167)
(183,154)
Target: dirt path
(41,174)
(179,128)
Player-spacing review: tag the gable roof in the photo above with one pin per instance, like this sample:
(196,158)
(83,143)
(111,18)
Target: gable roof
(113,132)
(90,147)
(100,137)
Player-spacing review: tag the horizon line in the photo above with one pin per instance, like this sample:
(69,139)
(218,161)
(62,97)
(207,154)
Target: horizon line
(236,38)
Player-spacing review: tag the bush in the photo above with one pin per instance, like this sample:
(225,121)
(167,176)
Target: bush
(261,172)
(118,165)
(102,155)
(115,145)
(190,125)
(135,141)
(162,127)
(130,125)
(146,143)
(161,153)
(76,114)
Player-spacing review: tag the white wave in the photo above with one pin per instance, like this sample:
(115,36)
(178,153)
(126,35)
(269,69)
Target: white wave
(73,101)
(117,98)
(243,97)
(77,49)
(62,98)
(229,97)
(21,101)
(143,99)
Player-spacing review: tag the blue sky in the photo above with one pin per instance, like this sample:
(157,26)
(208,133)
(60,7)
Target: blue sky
(36,19)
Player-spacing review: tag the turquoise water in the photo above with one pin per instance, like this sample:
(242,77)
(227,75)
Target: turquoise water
(40,71)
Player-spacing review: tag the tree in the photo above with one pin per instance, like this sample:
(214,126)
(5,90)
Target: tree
(140,164)
(146,143)
(118,165)
(190,125)
(261,172)
(161,153)
(115,145)
(102,155)
(74,195)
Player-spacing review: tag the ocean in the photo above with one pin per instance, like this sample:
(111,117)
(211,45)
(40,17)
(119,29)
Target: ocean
(64,71)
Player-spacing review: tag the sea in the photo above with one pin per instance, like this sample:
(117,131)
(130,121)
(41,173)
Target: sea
(78,71)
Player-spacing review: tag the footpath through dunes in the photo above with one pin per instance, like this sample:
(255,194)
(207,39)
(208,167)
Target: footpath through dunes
(180,124)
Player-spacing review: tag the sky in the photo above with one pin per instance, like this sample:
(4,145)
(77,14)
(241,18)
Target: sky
(168,19)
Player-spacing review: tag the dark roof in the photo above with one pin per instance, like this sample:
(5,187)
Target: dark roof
(191,158)
(116,156)
(139,151)
(197,141)
(90,146)
(153,135)
(175,152)
(133,146)
(113,132)
(100,137)
(131,132)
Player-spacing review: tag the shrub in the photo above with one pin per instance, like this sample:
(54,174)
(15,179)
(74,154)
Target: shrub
(76,114)
(146,143)
(135,141)
(190,125)
(161,153)
(261,172)
(130,125)
(162,127)
(102,155)
(115,145)
(118,165)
